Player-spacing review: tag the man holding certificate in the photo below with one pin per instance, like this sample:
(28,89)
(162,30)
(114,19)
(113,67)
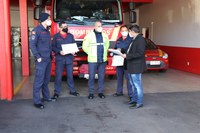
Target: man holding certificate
(64,58)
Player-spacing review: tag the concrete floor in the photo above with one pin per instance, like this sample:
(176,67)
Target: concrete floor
(177,112)
(171,104)
(153,82)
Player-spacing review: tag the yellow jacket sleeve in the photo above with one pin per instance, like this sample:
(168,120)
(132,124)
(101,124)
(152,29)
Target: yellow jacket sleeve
(86,42)
(107,42)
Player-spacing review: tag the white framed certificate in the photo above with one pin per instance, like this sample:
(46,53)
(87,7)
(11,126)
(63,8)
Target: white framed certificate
(69,48)
(117,60)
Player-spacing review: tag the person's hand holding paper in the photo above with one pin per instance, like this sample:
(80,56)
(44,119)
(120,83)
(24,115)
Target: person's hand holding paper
(115,51)
(62,53)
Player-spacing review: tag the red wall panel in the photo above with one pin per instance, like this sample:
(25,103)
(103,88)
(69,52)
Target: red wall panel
(6,81)
(183,58)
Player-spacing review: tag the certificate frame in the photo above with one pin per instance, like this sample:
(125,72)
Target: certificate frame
(69,48)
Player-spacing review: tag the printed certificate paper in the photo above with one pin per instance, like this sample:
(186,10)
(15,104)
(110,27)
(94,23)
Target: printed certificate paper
(115,51)
(117,60)
(69,48)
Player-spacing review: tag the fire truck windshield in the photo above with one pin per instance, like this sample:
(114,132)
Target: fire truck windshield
(86,12)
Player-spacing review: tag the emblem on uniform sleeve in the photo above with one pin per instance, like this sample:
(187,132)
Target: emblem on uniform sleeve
(33,37)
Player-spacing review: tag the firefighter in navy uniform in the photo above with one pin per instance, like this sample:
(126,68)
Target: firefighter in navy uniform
(40,44)
(122,44)
(63,60)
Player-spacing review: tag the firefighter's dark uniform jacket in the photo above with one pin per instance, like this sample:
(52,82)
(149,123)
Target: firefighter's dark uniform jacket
(40,42)
(58,40)
(63,61)
(123,45)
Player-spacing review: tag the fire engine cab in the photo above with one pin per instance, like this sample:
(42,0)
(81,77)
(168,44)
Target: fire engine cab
(80,16)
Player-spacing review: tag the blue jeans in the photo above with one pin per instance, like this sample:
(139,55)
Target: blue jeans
(136,83)
(93,69)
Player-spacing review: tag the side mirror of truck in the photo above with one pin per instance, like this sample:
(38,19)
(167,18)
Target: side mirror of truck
(133,17)
(132,6)
(37,11)
(37,2)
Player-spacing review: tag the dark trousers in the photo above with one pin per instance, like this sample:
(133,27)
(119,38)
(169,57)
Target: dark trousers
(69,74)
(98,68)
(41,81)
(120,80)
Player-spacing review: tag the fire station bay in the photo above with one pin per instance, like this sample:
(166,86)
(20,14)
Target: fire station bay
(100,66)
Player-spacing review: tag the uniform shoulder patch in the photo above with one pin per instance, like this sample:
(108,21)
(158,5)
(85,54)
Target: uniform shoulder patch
(33,32)
(33,37)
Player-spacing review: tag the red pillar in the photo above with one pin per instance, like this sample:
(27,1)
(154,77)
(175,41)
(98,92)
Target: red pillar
(24,37)
(6,82)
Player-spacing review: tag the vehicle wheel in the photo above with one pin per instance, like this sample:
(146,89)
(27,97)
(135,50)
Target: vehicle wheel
(163,71)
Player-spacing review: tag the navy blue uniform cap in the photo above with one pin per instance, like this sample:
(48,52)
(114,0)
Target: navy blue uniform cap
(43,17)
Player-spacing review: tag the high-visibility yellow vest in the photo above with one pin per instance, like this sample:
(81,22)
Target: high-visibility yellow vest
(90,46)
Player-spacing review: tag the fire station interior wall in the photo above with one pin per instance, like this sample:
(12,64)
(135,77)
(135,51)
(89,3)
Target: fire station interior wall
(175,26)
(15,17)
(15,29)
(127,16)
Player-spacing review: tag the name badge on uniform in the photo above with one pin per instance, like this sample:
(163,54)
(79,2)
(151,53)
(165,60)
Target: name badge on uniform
(33,37)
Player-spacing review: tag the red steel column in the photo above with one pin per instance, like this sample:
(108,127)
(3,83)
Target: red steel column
(24,37)
(6,81)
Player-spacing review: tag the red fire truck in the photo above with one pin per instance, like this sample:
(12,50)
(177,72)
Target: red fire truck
(80,16)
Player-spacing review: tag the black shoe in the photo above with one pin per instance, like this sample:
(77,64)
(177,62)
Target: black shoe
(101,95)
(91,96)
(130,98)
(132,102)
(135,106)
(74,93)
(46,100)
(139,106)
(116,94)
(55,97)
(39,106)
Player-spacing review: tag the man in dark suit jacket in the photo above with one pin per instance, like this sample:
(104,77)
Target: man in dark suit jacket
(136,65)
